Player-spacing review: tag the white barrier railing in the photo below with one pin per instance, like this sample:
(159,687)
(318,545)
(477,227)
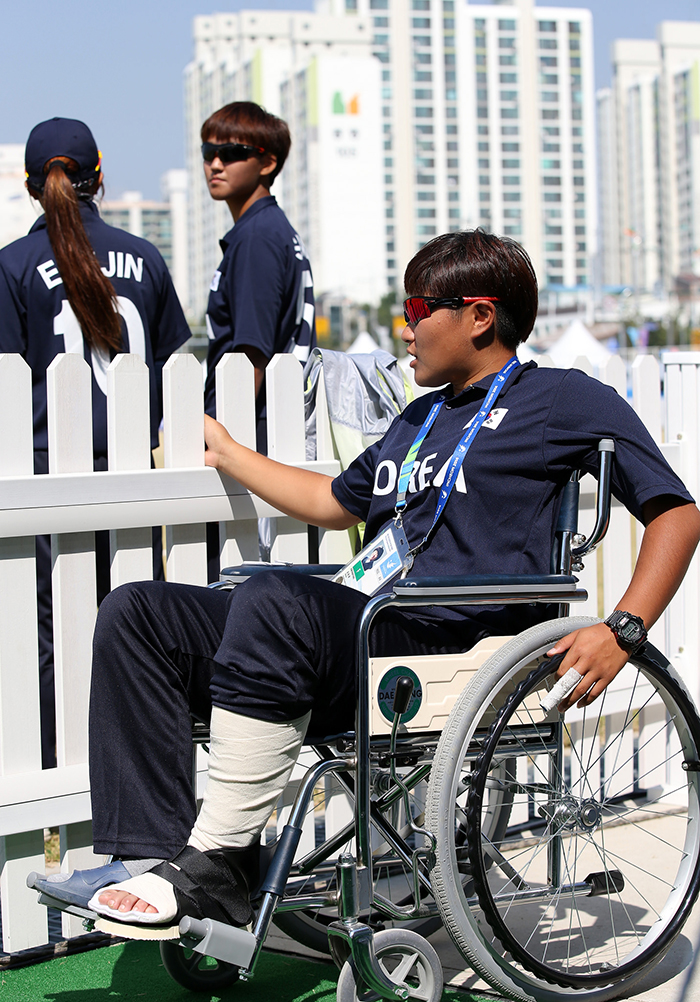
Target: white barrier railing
(72,503)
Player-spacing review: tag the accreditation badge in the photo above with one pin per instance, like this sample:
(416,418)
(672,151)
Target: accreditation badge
(379,562)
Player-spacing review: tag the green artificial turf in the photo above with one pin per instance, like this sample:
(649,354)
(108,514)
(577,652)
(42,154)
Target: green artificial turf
(133,971)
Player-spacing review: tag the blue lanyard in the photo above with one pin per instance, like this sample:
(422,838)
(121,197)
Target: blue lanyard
(458,455)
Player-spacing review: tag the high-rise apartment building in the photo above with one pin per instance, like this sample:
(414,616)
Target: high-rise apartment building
(18,211)
(649,137)
(486,115)
(488,119)
(293,63)
(164,224)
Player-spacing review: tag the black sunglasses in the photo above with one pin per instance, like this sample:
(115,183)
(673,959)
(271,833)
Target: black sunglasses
(229,153)
(417,308)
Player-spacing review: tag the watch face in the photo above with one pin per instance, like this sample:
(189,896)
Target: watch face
(630,632)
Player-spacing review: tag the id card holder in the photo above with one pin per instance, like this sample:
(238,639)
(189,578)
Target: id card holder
(379,562)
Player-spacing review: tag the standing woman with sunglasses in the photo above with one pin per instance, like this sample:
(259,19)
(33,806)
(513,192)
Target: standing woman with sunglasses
(261,300)
(74,284)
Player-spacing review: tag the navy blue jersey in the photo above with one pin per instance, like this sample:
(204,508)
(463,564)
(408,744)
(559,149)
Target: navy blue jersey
(501,515)
(37,322)
(262,293)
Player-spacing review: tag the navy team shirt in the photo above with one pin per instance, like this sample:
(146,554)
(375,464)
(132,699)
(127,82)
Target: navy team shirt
(501,514)
(37,322)
(261,295)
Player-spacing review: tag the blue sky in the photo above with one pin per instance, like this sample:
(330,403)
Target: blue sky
(118,66)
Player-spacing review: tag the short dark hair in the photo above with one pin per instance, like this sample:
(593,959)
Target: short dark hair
(476,263)
(249,123)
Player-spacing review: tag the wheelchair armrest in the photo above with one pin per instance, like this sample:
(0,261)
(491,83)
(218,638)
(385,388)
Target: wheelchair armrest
(491,589)
(241,572)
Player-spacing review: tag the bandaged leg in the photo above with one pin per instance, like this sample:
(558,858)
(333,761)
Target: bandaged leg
(250,763)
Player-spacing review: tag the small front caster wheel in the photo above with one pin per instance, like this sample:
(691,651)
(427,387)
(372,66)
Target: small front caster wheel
(407,959)
(194,971)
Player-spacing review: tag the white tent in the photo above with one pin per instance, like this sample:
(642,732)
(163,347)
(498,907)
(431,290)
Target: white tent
(526,354)
(363,344)
(575,341)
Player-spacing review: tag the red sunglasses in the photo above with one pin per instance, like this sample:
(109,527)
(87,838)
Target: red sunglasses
(417,308)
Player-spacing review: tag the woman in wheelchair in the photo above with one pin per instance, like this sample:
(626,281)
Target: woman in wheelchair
(472,473)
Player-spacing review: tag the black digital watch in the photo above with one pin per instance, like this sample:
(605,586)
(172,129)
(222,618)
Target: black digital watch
(629,630)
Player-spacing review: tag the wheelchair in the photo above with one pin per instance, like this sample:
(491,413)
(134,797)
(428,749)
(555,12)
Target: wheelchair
(560,852)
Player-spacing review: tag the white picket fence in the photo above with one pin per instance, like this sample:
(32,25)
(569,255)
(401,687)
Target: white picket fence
(72,502)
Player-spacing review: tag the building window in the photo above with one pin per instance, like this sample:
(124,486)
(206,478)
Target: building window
(512,180)
(552,196)
(509,78)
(548,43)
(421,22)
(510,164)
(423,76)
(581,247)
(511,214)
(549,79)
(509,95)
(504,43)
(484,196)
(426,179)
(511,196)
(452,163)
(453,213)
(509,113)
(484,179)
(378,4)
(553,248)
(426,231)
(551,164)
(548,61)
(425,213)
(483,148)
(423,95)
(506,25)
(550,114)
(423,112)
(512,231)
(421,4)
(507,60)
(552,181)
(380,22)
(351,6)
(510,148)
(547,26)
(426,196)
(421,40)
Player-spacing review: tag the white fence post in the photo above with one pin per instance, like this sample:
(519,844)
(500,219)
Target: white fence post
(183,433)
(24,922)
(235,409)
(286,444)
(69,419)
(682,385)
(129,448)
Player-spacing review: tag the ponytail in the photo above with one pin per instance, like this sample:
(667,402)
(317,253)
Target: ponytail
(90,293)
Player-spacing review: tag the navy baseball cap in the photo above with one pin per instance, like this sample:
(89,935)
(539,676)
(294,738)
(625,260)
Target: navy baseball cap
(61,137)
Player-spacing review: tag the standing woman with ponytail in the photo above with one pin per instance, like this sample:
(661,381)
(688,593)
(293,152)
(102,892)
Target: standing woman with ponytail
(75,284)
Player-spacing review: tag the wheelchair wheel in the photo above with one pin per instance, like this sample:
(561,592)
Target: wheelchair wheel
(600,867)
(407,959)
(194,971)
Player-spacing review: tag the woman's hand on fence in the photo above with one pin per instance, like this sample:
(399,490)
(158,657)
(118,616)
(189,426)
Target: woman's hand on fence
(595,654)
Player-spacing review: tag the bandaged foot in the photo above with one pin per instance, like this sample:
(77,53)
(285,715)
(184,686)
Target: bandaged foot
(145,899)
(249,766)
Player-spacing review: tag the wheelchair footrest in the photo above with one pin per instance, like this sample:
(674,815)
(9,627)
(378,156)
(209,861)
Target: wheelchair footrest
(51,902)
(227,943)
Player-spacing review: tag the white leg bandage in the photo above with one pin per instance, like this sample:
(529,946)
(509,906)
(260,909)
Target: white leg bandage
(250,762)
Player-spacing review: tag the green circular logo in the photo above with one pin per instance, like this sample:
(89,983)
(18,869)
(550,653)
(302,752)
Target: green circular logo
(386,690)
